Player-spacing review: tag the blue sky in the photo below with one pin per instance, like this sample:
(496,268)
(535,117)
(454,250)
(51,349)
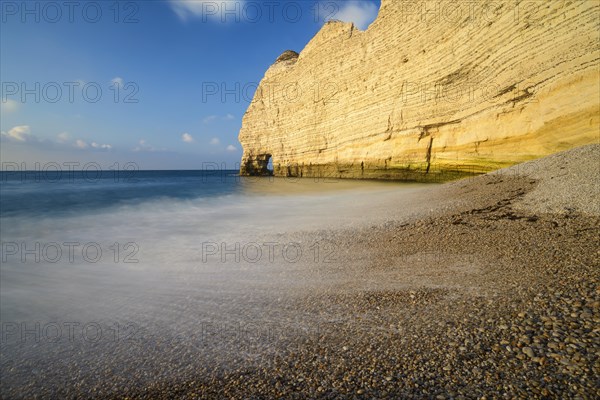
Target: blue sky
(128,81)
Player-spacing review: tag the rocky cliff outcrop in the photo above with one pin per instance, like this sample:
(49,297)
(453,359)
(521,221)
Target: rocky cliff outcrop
(430,90)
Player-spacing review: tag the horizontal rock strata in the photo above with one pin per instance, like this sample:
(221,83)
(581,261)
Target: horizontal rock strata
(431,90)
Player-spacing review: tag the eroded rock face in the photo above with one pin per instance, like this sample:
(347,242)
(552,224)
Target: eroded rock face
(431,92)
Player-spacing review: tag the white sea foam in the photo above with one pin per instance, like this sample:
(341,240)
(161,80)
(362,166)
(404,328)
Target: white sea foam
(170,250)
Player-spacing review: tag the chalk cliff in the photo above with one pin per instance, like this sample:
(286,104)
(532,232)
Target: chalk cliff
(430,91)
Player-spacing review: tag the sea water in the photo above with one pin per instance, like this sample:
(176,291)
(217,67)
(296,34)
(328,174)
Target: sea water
(154,261)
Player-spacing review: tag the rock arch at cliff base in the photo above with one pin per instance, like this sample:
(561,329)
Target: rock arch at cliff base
(258,165)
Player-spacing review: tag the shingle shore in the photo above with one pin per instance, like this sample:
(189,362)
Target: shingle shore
(490,298)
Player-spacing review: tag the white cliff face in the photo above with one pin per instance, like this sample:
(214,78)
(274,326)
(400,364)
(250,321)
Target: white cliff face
(430,93)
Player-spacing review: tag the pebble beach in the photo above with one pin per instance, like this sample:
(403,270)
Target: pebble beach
(488,289)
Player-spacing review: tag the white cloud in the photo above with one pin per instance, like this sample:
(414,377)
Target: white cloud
(231,148)
(361,12)
(81,144)
(63,137)
(215,141)
(21,133)
(209,119)
(144,146)
(186,137)
(221,10)
(117,81)
(9,106)
(101,146)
